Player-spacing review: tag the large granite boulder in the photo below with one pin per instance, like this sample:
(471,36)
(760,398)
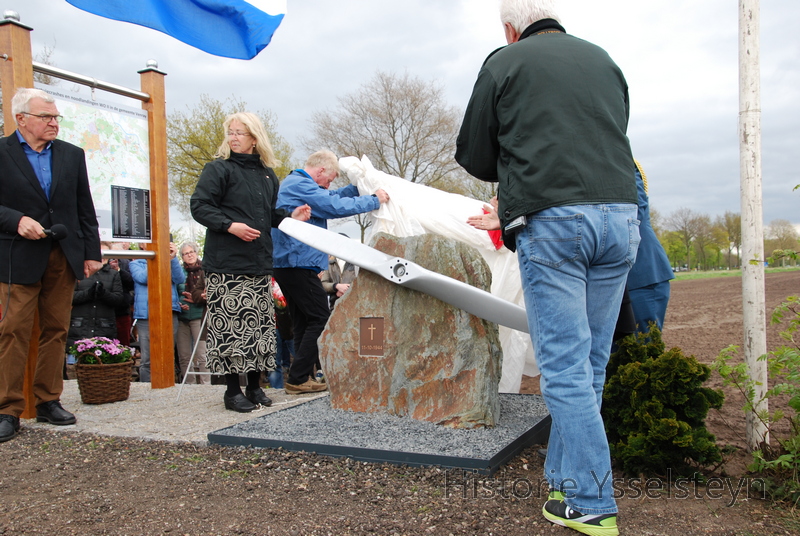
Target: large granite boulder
(439,363)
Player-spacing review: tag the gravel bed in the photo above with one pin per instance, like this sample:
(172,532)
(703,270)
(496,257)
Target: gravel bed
(316,422)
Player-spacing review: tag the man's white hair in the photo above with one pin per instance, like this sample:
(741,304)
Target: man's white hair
(22,99)
(522,13)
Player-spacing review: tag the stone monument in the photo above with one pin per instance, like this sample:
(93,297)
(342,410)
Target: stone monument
(391,349)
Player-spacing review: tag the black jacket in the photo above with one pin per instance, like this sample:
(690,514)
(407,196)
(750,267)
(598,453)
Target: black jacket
(238,189)
(94,306)
(547,120)
(70,204)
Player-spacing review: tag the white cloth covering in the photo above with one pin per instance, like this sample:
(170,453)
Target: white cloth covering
(415,209)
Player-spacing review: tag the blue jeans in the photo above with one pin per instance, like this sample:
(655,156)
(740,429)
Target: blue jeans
(143,328)
(282,359)
(574,261)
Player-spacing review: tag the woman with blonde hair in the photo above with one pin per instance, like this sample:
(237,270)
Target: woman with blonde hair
(235,199)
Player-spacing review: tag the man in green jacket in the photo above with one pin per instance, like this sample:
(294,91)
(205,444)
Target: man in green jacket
(547,120)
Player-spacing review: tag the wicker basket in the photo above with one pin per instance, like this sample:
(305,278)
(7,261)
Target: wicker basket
(100,384)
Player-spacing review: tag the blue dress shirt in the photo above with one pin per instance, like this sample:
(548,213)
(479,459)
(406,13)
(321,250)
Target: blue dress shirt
(42,163)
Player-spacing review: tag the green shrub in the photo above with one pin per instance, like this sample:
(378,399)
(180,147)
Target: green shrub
(655,407)
(780,466)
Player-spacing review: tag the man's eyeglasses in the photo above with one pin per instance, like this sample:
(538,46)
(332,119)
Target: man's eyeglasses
(47,118)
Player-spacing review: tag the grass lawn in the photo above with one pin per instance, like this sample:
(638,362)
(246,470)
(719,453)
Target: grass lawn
(680,276)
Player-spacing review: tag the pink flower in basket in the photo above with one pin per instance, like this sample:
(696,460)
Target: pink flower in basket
(97,350)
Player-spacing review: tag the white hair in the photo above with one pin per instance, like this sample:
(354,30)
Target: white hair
(22,99)
(522,13)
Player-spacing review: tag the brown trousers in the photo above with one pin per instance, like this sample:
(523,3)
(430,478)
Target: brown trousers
(52,298)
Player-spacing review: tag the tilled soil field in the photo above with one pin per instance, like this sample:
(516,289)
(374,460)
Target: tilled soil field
(79,484)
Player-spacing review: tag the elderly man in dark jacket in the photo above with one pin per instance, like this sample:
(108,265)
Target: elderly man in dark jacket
(547,120)
(43,185)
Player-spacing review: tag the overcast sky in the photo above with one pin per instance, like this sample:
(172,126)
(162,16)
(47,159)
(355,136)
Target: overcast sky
(680,58)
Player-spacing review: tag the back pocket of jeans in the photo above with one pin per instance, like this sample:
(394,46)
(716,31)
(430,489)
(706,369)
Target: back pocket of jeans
(555,240)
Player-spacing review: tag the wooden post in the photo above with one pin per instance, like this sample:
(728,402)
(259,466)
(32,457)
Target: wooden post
(159,278)
(16,70)
(753,293)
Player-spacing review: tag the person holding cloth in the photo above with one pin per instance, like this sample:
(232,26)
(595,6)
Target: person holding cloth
(43,184)
(547,119)
(297,266)
(235,199)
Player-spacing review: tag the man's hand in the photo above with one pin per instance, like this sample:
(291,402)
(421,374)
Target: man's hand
(30,228)
(382,196)
(173,250)
(244,231)
(489,221)
(90,267)
(302,213)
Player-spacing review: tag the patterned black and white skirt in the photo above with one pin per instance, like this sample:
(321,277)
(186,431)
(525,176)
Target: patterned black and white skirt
(241,323)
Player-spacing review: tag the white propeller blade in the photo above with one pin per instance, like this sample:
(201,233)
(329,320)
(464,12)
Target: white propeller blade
(408,274)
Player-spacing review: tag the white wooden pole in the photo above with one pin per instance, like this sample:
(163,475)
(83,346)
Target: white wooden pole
(753,294)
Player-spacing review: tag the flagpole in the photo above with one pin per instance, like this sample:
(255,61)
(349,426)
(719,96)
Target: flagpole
(753,293)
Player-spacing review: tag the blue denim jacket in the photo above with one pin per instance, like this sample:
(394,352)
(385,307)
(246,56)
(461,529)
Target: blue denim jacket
(139,274)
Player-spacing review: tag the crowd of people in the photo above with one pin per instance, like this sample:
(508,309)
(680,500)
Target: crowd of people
(547,120)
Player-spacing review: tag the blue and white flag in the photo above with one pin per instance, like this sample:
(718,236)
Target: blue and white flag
(230,28)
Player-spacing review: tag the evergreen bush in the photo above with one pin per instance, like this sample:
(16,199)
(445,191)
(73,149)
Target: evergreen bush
(654,406)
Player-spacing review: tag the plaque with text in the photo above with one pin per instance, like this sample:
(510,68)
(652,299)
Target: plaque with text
(130,213)
(370,340)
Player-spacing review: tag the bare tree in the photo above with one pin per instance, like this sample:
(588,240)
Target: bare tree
(703,238)
(42,57)
(656,221)
(401,123)
(731,222)
(194,137)
(684,222)
(781,235)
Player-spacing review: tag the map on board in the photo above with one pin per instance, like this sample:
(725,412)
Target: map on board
(116,143)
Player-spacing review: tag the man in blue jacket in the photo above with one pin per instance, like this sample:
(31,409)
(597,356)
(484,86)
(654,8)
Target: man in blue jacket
(297,266)
(648,280)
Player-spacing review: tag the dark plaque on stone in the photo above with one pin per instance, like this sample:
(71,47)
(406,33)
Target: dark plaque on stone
(371,336)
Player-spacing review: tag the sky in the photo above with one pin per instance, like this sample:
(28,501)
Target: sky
(680,59)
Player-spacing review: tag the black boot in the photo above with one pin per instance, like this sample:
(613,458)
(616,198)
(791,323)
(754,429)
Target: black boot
(239,403)
(9,427)
(257,396)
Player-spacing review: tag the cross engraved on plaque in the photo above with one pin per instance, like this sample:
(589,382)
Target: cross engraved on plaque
(370,336)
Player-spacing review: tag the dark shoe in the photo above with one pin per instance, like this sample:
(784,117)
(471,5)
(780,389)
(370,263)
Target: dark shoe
(9,427)
(54,413)
(557,511)
(542,453)
(258,397)
(239,403)
(309,386)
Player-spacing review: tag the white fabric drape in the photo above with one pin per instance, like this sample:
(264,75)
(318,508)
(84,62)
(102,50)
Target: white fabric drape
(416,209)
